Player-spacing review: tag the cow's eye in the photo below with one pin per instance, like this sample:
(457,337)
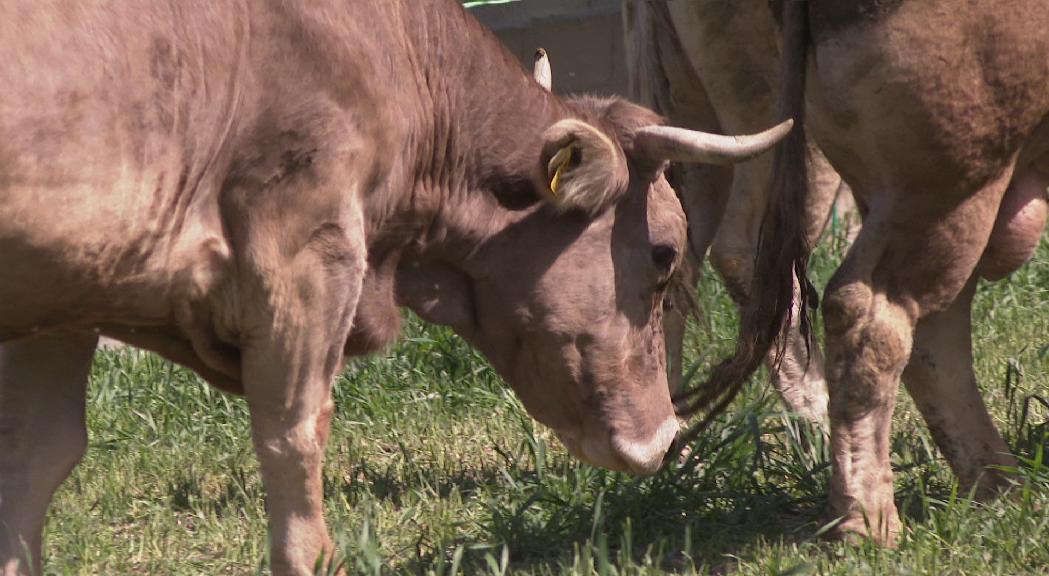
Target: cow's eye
(664,256)
(668,303)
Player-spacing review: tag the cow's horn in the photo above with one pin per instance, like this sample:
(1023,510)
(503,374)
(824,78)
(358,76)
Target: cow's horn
(541,69)
(681,145)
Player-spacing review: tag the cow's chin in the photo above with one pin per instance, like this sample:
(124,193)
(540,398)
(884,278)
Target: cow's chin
(585,435)
(598,453)
(620,456)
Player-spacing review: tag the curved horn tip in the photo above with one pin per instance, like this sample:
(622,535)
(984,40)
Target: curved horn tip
(683,145)
(541,69)
(786,126)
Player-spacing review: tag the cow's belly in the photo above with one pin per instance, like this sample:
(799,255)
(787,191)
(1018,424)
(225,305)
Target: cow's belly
(76,256)
(1019,225)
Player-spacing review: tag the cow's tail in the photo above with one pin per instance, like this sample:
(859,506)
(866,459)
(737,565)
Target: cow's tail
(783,250)
(644,22)
(653,47)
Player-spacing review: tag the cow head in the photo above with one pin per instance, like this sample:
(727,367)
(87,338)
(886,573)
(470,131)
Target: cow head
(564,295)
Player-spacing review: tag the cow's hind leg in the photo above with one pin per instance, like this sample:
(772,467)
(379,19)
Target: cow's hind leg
(940,376)
(42,436)
(800,379)
(907,264)
(940,379)
(868,341)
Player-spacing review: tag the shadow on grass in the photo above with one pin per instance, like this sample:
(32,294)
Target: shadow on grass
(703,517)
(393,484)
(660,522)
(239,491)
(549,512)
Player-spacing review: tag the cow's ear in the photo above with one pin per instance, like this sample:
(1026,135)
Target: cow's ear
(582,168)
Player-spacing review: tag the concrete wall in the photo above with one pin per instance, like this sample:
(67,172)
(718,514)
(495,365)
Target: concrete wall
(583,37)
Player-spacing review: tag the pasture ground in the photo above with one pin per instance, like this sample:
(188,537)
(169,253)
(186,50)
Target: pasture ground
(435,468)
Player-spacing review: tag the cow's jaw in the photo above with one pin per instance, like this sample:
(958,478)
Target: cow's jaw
(641,456)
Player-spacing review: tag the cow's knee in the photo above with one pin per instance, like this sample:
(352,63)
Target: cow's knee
(868,341)
(845,304)
(293,442)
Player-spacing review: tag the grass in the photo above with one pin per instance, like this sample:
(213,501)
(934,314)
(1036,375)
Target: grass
(435,468)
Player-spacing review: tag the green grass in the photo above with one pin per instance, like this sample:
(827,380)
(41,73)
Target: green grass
(435,468)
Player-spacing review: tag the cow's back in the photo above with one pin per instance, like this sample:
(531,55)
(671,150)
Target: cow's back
(121,124)
(110,118)
(963,82)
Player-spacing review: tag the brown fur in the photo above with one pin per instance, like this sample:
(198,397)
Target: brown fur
(942,132)
(716,66)
(255,189)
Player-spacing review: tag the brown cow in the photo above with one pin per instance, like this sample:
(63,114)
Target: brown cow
(714,66)
(252,189)
(937,115)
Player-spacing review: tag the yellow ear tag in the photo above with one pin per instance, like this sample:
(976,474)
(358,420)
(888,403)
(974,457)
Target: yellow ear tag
(561,160)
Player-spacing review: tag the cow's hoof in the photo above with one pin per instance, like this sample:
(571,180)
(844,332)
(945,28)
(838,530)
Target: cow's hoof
(993,483)
(857,530)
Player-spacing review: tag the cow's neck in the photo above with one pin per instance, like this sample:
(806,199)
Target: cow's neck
(475,125)
(478,138)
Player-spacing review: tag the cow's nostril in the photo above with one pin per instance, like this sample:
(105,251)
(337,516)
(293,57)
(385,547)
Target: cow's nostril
(663,256)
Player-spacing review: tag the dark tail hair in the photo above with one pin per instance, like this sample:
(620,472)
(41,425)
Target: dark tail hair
(648,28)
(783,250)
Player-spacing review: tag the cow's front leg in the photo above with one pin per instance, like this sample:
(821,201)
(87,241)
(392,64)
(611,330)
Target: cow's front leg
(290,418)
(289,362)
(42,436)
